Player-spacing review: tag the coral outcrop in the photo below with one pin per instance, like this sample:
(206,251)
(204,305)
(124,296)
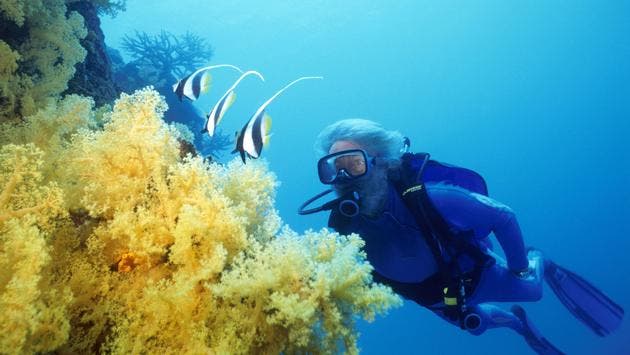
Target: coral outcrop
(111,241)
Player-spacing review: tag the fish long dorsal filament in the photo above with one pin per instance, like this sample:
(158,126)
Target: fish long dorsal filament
(229,91)
(215,67)
(263,106)
(243,76)
(256,132)
(224,103)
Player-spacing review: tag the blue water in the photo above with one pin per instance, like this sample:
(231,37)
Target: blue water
(533,95)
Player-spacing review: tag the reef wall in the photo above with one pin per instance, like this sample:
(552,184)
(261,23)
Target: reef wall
(93,76)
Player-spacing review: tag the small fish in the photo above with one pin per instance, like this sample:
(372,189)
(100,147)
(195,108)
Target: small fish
(255,134)
(224,103)
(196,83)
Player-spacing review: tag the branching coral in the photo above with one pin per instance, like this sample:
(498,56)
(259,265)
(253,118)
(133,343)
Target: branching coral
(216,145)
(39,46)
(158,253)
(168,53)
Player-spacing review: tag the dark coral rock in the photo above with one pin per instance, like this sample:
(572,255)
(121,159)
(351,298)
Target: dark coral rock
(186,148)
(13,34)
(93,77)
(128,78)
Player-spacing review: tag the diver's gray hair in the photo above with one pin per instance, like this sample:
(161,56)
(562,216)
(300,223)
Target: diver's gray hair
(376,140)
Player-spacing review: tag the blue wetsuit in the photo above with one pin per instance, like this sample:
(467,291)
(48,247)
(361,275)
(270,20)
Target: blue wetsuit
(401,257)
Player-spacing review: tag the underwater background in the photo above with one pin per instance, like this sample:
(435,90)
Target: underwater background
(534,96)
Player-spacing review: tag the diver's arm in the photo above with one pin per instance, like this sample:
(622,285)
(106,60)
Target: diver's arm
(466,210)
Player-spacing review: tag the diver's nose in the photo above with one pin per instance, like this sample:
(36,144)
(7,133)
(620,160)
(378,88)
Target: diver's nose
(343,176)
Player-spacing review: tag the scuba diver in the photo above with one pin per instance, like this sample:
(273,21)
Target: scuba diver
(426,228)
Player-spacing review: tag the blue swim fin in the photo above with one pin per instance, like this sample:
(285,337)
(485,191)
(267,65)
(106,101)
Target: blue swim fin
(532,336)
(583,300)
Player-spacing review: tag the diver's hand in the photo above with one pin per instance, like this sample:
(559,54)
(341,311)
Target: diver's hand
(524,274)
(535,267)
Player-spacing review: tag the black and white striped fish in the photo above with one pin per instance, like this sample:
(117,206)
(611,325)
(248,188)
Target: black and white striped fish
(196,83)
(255,134)
(224,103)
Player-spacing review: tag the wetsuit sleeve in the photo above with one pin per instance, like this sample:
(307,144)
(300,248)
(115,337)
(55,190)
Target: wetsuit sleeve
(465,210)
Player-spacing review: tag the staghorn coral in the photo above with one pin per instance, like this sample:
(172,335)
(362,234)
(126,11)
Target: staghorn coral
(141,250)
(217,145)
(168,54)
(39,43)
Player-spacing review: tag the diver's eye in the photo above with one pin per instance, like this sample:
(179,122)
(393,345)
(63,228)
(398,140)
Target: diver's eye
(357,166)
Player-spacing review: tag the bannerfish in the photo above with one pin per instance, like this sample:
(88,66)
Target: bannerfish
(224,103)
(255,134)
(196,83)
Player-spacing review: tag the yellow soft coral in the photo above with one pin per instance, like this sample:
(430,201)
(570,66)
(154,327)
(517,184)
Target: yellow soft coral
(21,194)
(50,130)
(163,253)
(37,60)
(32,301)
(302,301)
(120,164)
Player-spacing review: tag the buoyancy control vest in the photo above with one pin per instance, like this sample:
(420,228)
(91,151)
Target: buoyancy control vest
(412,234)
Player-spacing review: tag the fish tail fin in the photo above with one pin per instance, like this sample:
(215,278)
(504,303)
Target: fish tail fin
(206,81)
(229,101)
(175,86)
(266,139)
(266,128)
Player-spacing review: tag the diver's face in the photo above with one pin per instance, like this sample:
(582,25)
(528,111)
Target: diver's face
(355,165)
(372,187)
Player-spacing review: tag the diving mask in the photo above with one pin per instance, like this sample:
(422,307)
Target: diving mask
(343,166)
